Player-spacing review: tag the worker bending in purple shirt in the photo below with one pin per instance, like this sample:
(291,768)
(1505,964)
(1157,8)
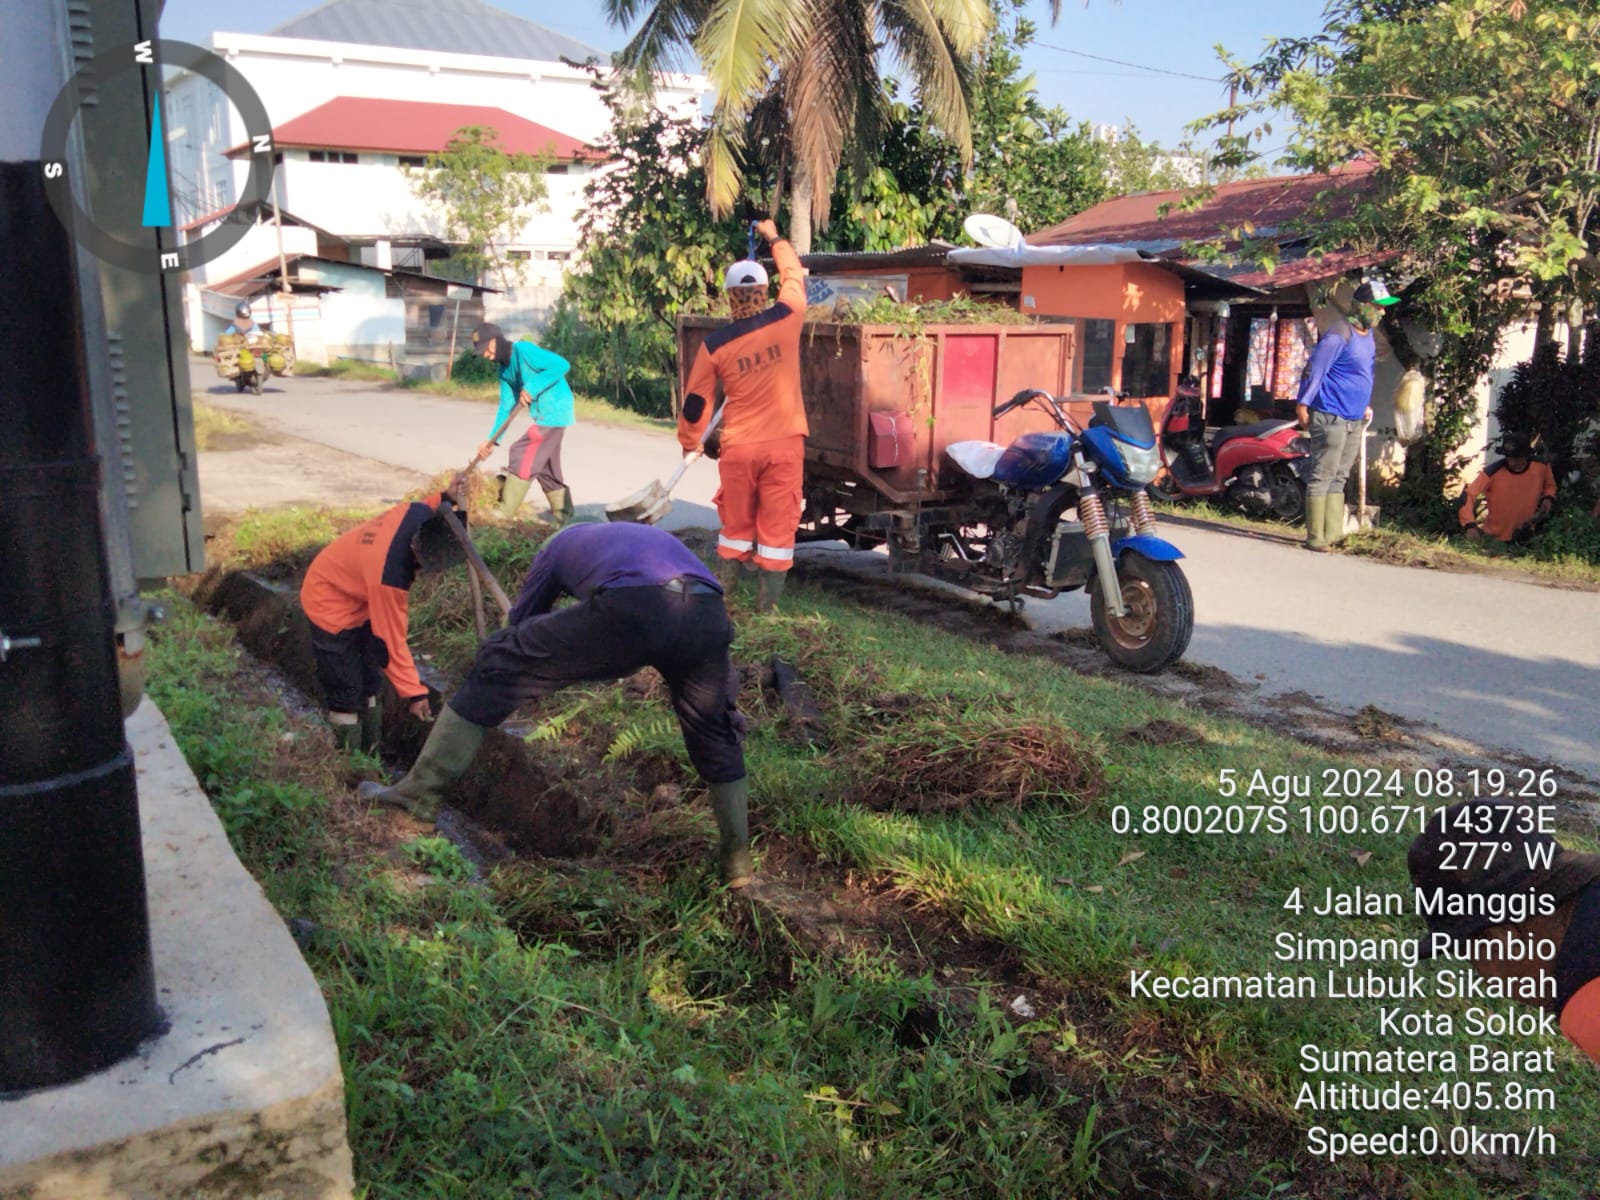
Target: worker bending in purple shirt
(644,600)
(1334,406)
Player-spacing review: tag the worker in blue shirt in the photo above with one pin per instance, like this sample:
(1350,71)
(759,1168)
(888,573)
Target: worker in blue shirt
(536,377)
(1334,406)
(644,600)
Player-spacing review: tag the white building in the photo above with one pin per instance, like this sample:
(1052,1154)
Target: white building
(358,90)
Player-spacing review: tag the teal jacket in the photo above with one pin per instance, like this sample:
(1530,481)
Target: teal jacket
(543,375)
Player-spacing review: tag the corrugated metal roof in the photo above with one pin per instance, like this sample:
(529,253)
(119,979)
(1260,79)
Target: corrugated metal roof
(449,26)
(1266,204)
(414,127)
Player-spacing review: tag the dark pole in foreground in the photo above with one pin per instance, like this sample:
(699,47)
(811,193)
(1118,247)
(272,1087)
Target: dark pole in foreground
(77,989)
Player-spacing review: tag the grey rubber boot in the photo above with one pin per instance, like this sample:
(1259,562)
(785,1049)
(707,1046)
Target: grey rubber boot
(511,496)
(371,728)
(769,589)
(727,571)
(1316,523)
(730,803)
(445,757)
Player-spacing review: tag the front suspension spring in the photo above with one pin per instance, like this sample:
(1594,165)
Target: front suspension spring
(1144,516)
(1093,515)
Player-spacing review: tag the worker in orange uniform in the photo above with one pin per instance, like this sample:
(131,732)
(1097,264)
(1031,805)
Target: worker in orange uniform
(1518,493)
(756,357)
(356,596)
(1535,893)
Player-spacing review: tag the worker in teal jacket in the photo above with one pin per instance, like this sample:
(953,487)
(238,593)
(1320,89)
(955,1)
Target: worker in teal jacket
(533,376)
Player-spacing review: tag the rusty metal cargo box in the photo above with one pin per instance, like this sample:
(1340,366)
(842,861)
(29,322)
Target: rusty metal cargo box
(884,403)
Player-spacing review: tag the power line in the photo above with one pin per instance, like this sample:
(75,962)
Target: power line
(1124,63)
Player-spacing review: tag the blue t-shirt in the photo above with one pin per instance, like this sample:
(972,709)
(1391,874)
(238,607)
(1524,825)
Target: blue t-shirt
(584,559)
(1338,379)
(543,375)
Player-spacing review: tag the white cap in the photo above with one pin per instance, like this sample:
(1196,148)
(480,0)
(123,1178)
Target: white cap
(745,273)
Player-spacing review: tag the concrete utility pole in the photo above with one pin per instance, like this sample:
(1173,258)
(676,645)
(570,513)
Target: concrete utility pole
(77,989)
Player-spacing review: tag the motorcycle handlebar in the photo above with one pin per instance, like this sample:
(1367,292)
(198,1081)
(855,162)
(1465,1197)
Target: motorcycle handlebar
(1019,400)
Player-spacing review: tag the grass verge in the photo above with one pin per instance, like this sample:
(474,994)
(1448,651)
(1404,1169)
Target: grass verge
(213,426)
(1402,547)
(613,1026)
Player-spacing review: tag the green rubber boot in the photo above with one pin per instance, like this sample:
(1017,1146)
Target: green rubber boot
(727,571)
(560,504)
(371,728)
(769,589)
(445,757)
(1316,523)
(512,493)
(1333,520)
(730,803)
(346,736)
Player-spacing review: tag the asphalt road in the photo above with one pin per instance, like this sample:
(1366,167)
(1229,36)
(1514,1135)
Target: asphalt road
(1501,663)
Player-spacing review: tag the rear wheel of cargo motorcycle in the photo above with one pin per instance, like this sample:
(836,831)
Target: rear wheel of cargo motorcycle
(1164,487)
(1160,618)
(238,383)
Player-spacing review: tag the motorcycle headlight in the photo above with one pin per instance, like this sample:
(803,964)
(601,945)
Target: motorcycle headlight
(1140,464)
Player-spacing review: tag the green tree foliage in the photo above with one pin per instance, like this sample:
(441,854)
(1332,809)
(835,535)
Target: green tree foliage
(1482,118)
(649,249)
(1030,163)
(814,67)
(1556,398)
(486,193)
(1136,165)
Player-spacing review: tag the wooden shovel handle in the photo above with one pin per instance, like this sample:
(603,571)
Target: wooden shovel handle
(476,561)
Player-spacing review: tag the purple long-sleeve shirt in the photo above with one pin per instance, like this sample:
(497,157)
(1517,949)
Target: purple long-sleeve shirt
(584,559)
(1338,378)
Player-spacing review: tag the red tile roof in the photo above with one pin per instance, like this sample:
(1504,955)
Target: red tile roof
(414,127)
(1266,204)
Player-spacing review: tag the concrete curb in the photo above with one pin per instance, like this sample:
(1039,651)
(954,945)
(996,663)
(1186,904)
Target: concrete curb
(241,1096)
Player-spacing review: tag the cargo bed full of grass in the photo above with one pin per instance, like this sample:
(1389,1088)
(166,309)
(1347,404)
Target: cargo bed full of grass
(917,997)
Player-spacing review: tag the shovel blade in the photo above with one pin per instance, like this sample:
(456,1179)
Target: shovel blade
(632,507)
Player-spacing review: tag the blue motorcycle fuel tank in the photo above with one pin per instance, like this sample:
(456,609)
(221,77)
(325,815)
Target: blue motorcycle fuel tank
(1034,460)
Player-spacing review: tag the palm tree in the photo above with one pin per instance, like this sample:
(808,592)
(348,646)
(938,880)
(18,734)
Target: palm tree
(807,75)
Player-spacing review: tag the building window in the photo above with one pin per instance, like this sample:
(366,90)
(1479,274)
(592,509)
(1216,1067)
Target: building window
(559,255)
(413,160)
(1097,339)
(517,255)
(333,156)
(1147,361)
(557,169)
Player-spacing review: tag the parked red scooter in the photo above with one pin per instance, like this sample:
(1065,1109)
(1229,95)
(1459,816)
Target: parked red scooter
(1259,468)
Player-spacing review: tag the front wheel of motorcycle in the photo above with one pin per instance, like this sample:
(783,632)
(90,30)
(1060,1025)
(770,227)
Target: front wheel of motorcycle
(1160,614)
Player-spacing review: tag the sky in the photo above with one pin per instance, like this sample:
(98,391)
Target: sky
(1170,35)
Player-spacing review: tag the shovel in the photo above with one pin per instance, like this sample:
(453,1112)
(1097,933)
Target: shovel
(653,501)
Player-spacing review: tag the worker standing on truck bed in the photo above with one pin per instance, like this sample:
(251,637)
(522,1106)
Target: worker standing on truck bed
(756,357)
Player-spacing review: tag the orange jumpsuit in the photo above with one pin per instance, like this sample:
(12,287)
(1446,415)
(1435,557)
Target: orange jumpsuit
(762,465)
(363,579)
(1510,498)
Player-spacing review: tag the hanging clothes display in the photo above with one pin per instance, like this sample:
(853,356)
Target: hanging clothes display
(1219,349)
(1296,340)
(1255,372)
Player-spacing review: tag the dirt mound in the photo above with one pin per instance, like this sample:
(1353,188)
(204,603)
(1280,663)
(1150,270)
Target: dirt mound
(928,766)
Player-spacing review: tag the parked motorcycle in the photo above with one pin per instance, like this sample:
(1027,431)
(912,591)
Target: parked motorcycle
(1054,512)
(1258,468)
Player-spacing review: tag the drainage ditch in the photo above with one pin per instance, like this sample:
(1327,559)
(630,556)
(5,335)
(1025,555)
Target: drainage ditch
(561,801)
